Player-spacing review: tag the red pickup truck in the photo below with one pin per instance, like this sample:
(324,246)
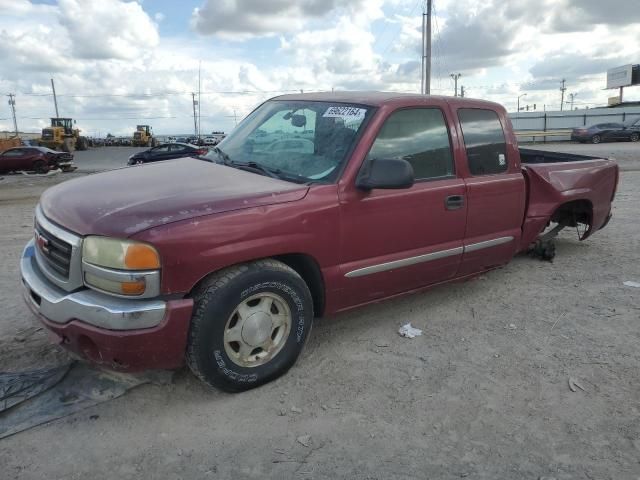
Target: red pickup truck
(314,204)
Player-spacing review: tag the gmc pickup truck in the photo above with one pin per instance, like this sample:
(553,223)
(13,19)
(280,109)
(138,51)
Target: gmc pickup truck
(314,204)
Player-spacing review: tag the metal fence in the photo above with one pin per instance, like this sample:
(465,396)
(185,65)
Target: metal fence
(545,121)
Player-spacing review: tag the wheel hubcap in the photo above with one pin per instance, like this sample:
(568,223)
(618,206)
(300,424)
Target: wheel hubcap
(257,329)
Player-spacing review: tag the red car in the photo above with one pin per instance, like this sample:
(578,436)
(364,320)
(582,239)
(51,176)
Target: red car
(34,159)
(225,264)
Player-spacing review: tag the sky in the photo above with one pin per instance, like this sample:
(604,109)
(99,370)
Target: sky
(119,63)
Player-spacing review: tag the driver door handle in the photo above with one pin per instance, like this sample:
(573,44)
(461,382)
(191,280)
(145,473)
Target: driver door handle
(454,202)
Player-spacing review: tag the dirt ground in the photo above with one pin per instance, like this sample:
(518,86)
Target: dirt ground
(483,394)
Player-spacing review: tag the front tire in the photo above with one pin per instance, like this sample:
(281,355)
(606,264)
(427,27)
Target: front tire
(249,325)
(634,137)
(596,139)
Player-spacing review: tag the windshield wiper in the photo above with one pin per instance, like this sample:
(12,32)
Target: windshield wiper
(259,168)
(271,172)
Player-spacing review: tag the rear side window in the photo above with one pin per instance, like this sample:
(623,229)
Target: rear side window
(484,141)
(420,136)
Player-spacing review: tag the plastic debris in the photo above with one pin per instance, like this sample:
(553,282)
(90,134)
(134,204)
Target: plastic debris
(409,332)
(304,440)
(57,393)
(632,284)
(574,385)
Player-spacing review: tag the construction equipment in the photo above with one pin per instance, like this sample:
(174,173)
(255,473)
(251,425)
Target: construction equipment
(143,137)
(62,136)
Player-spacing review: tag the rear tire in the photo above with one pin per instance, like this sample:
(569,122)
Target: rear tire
(596,139)
(249,325)
(634,137)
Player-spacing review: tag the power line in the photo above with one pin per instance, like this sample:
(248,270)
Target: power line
(157,94)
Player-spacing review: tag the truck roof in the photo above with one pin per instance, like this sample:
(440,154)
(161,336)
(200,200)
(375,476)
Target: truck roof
(377,99)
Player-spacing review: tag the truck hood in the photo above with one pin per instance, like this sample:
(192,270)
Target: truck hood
(123,202)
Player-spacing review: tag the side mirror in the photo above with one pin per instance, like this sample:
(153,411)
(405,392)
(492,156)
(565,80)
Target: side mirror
(388,173)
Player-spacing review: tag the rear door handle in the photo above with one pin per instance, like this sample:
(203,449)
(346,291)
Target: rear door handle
(454,202)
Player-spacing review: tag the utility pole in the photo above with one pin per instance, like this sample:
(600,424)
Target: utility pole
(195,119)
(12,104)
(562,90)
(55,99)
(425,87)
(572,96)
(199,92)
(462,91)
(455,77)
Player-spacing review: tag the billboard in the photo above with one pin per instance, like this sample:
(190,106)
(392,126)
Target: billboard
(620,76)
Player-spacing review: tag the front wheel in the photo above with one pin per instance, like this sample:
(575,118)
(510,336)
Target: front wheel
(596,139)
(635,137)
(249,325)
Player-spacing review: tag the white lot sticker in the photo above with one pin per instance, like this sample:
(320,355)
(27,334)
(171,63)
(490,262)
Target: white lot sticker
(501,159)
(346,113)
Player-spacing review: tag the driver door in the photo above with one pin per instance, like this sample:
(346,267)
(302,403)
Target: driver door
(398,240)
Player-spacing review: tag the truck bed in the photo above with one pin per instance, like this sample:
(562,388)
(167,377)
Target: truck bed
(561,182)
(529,156)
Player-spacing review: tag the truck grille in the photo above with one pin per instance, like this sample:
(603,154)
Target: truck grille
(55,252)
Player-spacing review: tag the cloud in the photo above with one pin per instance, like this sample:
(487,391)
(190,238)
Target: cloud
(574,66)
(103,29)
(583,15)
(241,19)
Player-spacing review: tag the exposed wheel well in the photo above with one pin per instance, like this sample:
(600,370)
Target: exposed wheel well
(574,213)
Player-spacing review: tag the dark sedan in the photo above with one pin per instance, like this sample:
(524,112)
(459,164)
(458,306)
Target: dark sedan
(166,151)
(34,159)
(608,132)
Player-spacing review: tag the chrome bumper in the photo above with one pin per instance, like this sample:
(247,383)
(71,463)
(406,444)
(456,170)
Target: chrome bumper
(88,306)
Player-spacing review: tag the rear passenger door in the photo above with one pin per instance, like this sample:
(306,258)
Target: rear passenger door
(495,191)
(397,240)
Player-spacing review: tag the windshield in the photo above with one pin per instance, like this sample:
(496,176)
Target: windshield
(304,140)
(632,122)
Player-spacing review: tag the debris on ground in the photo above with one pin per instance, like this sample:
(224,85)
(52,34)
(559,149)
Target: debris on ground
(574,385)
(16,388)
(511,326)
(409,332)
(40,396)
(50,173)
(24,334)
(632,284)
(296,410)
(304,440)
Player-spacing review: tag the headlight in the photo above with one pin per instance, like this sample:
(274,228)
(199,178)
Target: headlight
(122,267)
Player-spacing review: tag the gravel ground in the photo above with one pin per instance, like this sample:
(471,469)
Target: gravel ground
(482,394)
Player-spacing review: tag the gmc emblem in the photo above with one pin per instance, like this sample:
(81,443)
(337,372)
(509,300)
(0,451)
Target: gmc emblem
(42,243)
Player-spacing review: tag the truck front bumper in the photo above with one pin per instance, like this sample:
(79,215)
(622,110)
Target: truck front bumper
(124,334)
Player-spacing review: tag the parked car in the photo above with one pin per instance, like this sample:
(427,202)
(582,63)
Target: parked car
(210,141)
(608,132)
(166,151)
(225,264)
(36,159)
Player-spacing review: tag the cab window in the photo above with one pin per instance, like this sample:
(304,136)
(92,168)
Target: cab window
(484,141)
(420,136)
